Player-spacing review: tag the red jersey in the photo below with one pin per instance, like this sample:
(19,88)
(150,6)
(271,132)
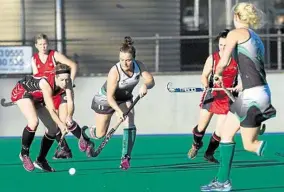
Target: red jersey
(218,102)
(229,74)
(29,87)
(49,64)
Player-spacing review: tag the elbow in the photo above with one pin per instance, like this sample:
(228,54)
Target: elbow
(150,84)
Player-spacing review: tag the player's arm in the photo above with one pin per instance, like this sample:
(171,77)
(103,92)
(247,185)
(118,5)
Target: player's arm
(34,68)
(148,78)
(64,60)
(238,86)
(47,96)
(112,81)
(231,42)
(207,70)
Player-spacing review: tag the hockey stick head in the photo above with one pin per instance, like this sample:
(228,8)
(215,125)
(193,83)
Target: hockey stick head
(183,89)
(6,104)
(169,87)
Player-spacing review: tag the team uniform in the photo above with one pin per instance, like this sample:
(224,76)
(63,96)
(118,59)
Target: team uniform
(28,87)
(254,104)
(218,102)
(123,92)
(58,99)
(45,69)
(252,107)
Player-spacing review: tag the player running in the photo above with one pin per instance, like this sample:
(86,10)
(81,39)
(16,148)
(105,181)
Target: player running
(253,106)
(116,96)
(216,102)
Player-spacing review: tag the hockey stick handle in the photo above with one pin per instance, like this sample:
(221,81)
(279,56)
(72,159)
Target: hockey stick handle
(194,89)
(127,112)
(227,91)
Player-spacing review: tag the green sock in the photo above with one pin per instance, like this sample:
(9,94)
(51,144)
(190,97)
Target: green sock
(129,135)
(90,132)
(262,149)
(226,155)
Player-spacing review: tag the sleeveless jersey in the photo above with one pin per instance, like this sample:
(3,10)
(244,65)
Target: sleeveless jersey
(31,85)
(230,73)
(126,83)
(46,67)
(250,58)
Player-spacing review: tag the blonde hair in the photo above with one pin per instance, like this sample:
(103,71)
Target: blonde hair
(40,36)
(249,14)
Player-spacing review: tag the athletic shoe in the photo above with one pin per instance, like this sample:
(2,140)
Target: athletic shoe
(83,144)
(210,158)
(27,162)
(194,150)
(90,151)
(125,162)
(217,186)
(43,165)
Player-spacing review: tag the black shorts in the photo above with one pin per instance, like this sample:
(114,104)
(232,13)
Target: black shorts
(101,106)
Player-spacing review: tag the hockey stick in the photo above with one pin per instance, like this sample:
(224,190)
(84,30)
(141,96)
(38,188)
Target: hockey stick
(60,142)
(6,104)
(230,95)
(172,89)
(112,131)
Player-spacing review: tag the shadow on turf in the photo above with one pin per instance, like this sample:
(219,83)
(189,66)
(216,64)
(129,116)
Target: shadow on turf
(176,155)
(180,167)
(146,156)
(259,188)
(109,158)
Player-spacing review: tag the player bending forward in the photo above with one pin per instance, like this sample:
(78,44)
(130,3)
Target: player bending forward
(116,96)
(29,94)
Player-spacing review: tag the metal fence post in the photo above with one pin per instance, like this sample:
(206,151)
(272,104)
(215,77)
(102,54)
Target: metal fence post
(157,52)
(279,49)
(228,14)
(196,14)
(23,22)
(59,25)
(210,29)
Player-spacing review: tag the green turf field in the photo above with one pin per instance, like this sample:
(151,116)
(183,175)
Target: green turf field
(159,163)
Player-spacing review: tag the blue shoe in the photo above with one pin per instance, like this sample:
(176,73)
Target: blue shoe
(217,186)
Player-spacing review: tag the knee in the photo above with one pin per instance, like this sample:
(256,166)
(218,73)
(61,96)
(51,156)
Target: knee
(33,124)
(52,131)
